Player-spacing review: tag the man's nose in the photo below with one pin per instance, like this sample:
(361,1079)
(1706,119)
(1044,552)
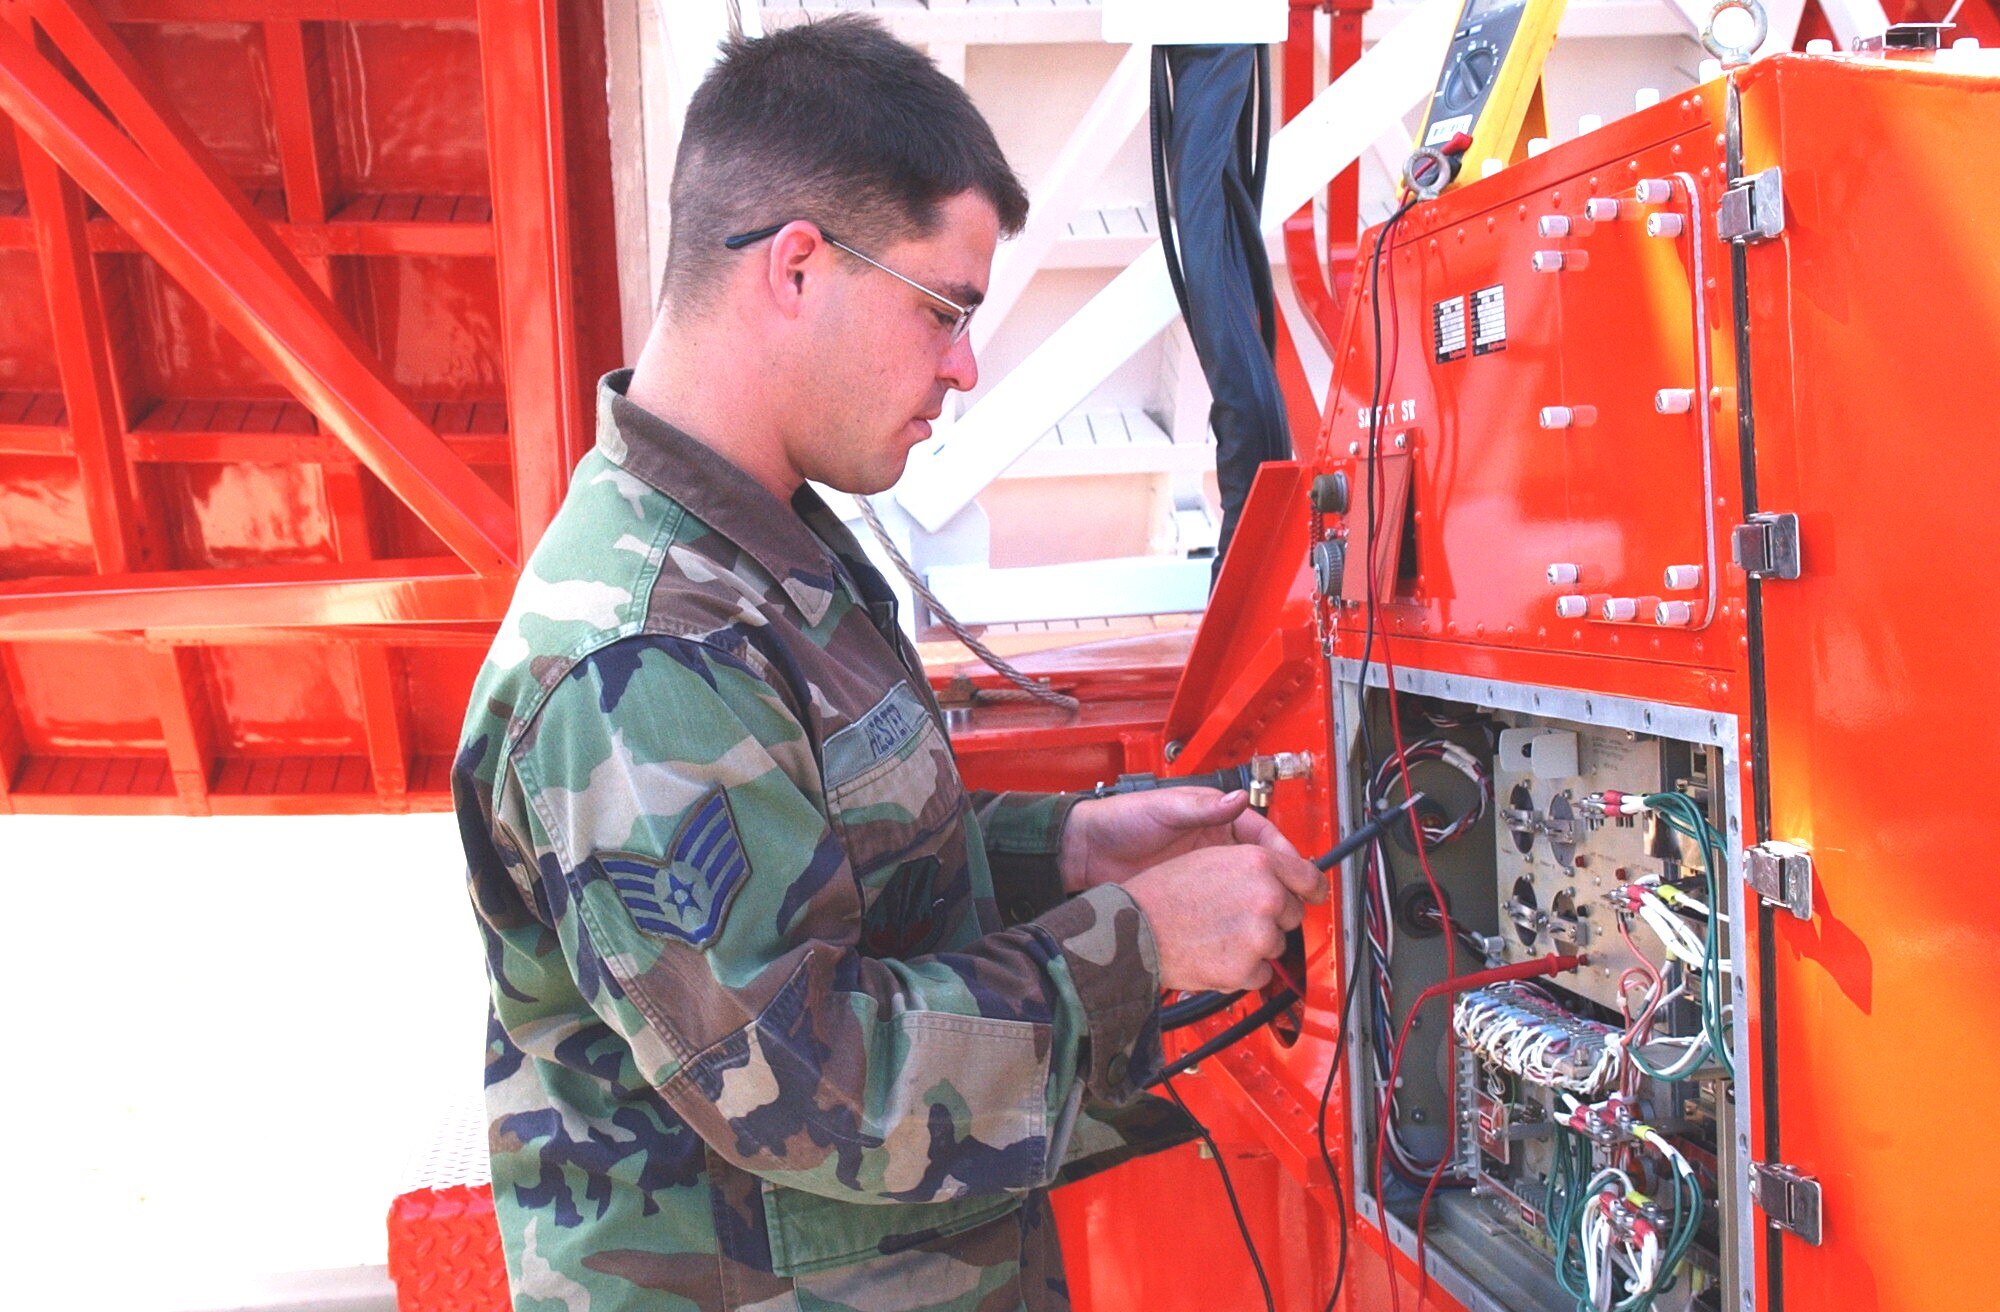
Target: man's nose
(958,369)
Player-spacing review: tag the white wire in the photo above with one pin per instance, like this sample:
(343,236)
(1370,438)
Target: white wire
(1520,1029)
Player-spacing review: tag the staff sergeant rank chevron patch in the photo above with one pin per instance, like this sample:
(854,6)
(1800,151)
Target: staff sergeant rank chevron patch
(685,896)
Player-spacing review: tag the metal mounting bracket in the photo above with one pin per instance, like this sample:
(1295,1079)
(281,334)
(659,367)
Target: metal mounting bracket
(1753,209)
(1788,1197)
(1767,546)
(1782,874)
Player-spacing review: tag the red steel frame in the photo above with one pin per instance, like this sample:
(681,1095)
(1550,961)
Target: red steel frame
(118,172)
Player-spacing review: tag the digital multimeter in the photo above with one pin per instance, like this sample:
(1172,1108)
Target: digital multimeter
(1490,86)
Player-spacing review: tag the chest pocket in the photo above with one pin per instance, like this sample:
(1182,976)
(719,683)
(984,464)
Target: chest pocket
(895,800)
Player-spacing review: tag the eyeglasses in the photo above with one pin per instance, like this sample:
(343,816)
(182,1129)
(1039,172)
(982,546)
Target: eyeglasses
(962,314)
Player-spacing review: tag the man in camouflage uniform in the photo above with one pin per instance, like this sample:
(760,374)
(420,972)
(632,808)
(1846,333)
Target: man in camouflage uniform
(783,1017)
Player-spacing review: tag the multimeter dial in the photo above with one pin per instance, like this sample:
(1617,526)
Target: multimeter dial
(1471,75)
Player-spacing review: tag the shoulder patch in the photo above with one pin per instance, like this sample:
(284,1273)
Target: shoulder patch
(687,895)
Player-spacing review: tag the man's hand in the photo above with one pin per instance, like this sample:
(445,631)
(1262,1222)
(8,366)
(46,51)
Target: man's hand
(1110,839)
(1218,884)
(1219,915)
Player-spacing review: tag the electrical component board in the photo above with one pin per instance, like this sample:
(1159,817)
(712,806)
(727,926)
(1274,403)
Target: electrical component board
(1571,1139)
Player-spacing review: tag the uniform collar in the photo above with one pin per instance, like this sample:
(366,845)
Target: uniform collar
(723,497)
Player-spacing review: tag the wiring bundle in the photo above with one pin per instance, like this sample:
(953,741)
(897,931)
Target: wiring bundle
(1617,1247)
(1623,1204)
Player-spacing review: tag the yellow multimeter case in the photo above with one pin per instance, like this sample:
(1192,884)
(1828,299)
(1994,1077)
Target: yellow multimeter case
(1490,88)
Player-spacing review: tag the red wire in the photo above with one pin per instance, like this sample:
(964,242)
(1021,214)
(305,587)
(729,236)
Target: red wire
(1636,1030)
(1450,967)
(1430,878)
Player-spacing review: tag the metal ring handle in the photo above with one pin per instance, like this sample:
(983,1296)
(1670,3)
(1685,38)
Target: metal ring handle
(1728,54)
(1440,178)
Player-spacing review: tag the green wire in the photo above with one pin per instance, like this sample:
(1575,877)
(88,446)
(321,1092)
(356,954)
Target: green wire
(1566,1194)
(1684,816)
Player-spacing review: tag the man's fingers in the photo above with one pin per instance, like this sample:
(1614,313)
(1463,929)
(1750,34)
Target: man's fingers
(1254,827)
(1301,877)
(1293,915)
(1198,808)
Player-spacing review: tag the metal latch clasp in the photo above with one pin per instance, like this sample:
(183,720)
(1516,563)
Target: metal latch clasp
(1767,545)
(1781,873)
(1790,1198)
(1753,209)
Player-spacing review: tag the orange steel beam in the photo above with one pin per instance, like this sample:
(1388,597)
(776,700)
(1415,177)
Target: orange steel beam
(118,531)
(200,229)
(76,318)
(1301,229)
(186,724)
(345,233)
(298,11)
(431,591)
(13,742)
(520,47)
(1322,285)
(297,55)
(299,95)
(216,446)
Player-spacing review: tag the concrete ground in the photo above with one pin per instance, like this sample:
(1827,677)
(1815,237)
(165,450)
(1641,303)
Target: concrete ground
(228,1044)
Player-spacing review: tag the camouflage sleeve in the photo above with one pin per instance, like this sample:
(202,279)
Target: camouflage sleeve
(668,799)
(1023,836)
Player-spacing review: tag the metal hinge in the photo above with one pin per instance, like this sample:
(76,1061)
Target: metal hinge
(1767,547)
(1790,1198)
(1753,209)
(1782,874)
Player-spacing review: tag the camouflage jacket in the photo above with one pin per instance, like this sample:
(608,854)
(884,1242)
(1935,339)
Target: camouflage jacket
(782,1016)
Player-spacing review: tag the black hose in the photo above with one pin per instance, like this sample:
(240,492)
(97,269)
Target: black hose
(1210,137)
(1194,1007)
(1250,1024)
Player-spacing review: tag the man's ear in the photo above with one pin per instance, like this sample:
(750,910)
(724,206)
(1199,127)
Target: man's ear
(786,273)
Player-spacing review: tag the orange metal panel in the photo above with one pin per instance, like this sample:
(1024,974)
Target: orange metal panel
(1875,405)
(1872,411)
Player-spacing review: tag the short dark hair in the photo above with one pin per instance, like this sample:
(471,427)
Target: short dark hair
(834,121)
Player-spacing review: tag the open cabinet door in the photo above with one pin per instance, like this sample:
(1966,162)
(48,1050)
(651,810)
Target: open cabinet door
(1872,320)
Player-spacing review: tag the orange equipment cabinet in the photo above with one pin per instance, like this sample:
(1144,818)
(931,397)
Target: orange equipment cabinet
(1670,452)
